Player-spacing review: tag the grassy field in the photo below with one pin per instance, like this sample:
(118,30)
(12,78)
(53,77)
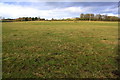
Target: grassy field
(44,49)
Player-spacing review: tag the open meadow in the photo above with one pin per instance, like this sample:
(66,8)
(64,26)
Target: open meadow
(59,49)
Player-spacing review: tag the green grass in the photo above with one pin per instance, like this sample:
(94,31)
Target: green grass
(44,49)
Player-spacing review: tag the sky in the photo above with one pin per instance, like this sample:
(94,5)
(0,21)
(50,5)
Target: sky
(57,10)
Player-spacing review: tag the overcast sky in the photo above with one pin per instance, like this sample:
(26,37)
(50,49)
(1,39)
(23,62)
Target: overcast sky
(56,10)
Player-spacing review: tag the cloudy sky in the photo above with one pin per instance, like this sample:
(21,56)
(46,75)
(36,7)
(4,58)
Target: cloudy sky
(56,10)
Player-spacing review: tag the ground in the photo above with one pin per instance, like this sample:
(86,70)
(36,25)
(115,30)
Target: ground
(59,49)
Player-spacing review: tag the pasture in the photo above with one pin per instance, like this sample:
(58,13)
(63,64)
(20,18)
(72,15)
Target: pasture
(59,49)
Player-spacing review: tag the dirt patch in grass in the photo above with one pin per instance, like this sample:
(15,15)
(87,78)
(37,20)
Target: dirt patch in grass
(38,74)
(109,42)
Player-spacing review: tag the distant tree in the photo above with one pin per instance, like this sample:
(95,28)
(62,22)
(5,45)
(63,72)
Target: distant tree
(26,18)
(82,16)
(29,19)
(52,19)
(86,16)
(77,19)
(98,17)
(91,17)
(33,18)
(42,19)
(36,18)
(39,19)
(105,17)
(115,18)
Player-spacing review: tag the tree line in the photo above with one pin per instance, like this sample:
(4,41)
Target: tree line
(83,17)
(97,17)
(30,19)
(24,19)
